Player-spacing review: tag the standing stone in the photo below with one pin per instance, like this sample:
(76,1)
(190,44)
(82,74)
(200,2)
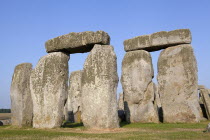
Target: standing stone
(21,102)
(178,84)
(157,103)
(204,93)
(121,112)
(121,102)
(49,85)
(75,94)
(157,97)
(137,74)
(99,85)
(68,111)
(208,128)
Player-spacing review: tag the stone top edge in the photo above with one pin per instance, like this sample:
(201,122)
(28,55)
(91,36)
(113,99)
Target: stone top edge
(79,42)
(24,64)
(157,33)
(73,33)
(158,40)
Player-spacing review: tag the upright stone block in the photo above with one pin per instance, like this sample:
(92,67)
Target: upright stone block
(68,110)
(137,74)
(75,94)
(49,87)
(121,112)
(204,93)
(21,102)
(77,42)
(99,85)
(178,84)
(121,102)
(157,103)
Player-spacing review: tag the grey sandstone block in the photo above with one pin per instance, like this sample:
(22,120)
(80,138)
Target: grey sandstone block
(49,87)
(178,84)
(77,42)
(158,41)
(99,86)
(21,101)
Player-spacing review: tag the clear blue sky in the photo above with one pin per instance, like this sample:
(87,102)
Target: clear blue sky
(25,25)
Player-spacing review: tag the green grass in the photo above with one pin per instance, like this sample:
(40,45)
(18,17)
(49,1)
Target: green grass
(165,126)
(127,131)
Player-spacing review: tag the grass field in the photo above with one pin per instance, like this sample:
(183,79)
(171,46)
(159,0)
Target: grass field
(4,116)
(126,132)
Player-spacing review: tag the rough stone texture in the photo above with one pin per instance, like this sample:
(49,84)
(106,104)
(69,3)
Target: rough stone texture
(77,42)
(137,74)
(21,102)
(120,102)
(204,93)
(68,111)
(158,103)
(99,85)
(208,128)
(49,87)
(6,122)
(177,84)
(77,117)
(75,94)
(157,96)
(158,41)
(201,87)
(121,112)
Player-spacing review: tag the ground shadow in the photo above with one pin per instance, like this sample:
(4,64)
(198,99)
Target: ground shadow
(72,125)
(124,123)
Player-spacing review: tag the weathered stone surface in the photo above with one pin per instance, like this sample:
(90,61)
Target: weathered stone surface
(158,41)
(21,102)
(157,103)
(204,93)
(68,111)
(49,87)
(157,96)
(120,102)
(208,128)
(77,42)
(177,84)
(137,74)
(201,87)
(121,112)
(99,85)
(6,122)
(75,93)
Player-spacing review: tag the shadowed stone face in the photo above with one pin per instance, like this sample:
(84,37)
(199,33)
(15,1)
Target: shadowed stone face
(158,41)
(48,83)
(137,74)
(77,42)
(21,102)
(99,84)
(75,93)
(177,84)
(204,93)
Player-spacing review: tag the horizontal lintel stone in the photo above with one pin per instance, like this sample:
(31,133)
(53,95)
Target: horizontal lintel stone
(77,42)
(158,41)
